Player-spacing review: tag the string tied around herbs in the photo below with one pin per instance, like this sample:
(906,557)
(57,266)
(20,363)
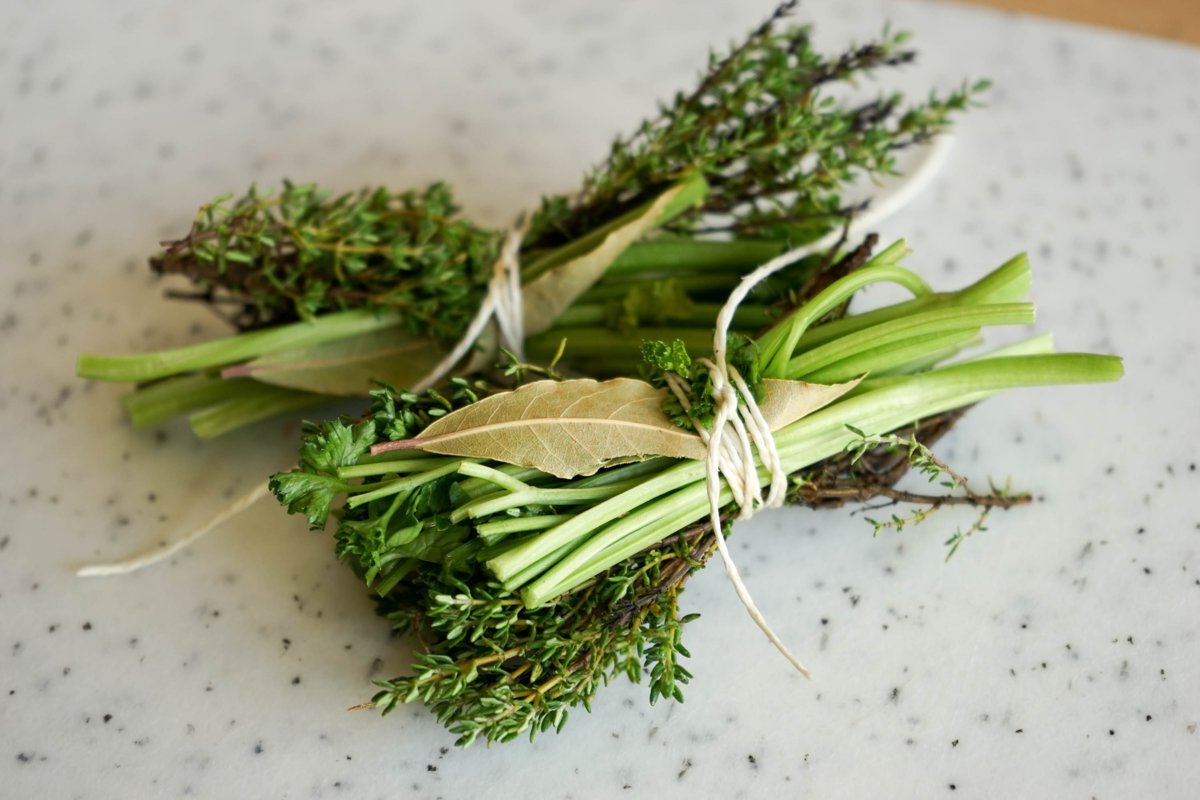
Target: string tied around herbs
(736,413)
(738,432)
(502,304)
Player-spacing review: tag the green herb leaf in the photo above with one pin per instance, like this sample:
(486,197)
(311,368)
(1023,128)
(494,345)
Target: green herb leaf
(671,357)
(335,444)
(308,494)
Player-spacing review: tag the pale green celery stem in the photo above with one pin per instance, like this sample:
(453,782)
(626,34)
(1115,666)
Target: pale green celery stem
(602,341)
(671,255)
(149,405)
(506,566)
(489,505)
(801,444)
(492,532)
(777,345)
(392,455)
(592,518)
(1008,283)
(233,349)
(620,474)
(626,538)
(942,320)
(915,354)
(495,476)
(252,404)
(531,570)
(395,466)
(692,285)
(474,488)
(403,484)
(702,314)
(1040,345)
(891,255)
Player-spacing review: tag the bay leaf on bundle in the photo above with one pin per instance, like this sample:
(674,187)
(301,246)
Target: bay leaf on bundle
(575,428)
(550,290)
(784,402)
(347,367)
(565,428)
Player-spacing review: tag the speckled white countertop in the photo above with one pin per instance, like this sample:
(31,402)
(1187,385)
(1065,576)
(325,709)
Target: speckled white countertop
(1056,656)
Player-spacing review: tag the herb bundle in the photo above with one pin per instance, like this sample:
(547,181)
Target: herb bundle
(332,294)
(536,541)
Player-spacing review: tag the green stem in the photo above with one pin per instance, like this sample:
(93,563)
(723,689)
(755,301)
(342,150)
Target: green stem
(1008,283)
(748,315)
(694,189)
(709,285)
(777,345)
(606,342)
(492,532)
(938,321)
(149,405)
(403,484)
(673,255)
(917,354)
(254,403)
(233,349)
(393,467)
(489,505)
(801,444)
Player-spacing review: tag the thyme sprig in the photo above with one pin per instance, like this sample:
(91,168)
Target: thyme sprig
(302,252)
(763,128)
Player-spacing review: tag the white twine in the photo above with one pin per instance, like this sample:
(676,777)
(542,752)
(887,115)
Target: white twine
(502,303)
(737,413)
(734,460)
(162,553)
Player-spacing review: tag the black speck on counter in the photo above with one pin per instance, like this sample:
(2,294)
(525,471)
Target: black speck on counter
(258,748)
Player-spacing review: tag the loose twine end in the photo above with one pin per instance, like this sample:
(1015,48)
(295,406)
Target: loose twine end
(159,554)
(737,413)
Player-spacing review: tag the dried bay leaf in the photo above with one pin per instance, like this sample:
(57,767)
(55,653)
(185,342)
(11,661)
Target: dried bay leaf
(349,366)
(574,428)
(565,428)
(784,402)
(548,294)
